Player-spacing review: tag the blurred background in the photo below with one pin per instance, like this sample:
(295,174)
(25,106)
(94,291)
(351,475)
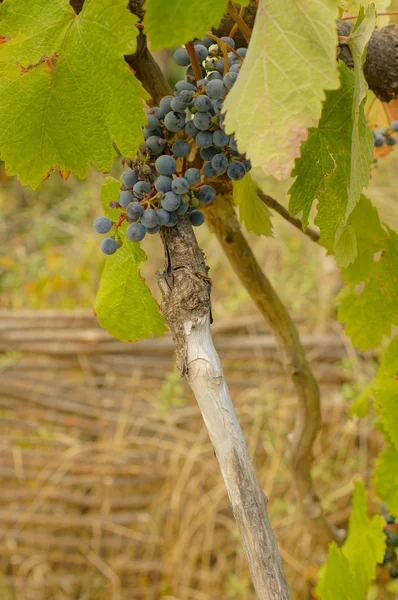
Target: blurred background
(109,486)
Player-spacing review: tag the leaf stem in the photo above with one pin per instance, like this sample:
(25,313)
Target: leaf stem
(245,29)
(235,25)
(379,14)
(221,42)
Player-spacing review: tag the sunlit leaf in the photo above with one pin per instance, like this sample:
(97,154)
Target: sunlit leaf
(124,304)
(325,168)
(290,62)
(385,478)
(252,211)
(177,22)
(67,96)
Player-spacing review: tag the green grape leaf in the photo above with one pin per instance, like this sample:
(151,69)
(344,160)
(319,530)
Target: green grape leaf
(352,7)
(365,544)
(370,311)
(385,480)
(252,211)
(124,305)
(290,61)
(345,248)
(337,581)
(67,96)
(110,191)
(349,570)
(326,166)
(386,405)
(370,236)
(386,383)
(387,375)
(170,23)
(362,138)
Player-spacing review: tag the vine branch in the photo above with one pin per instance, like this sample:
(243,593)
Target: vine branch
(148,71)
(186,308)
(235,26)
(281,210)
(246,32)
(223,221)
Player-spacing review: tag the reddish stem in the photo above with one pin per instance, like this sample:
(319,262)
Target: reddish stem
(194,60)
(235,25)
(380,14)
(122,218)
(217,39)
(245,29)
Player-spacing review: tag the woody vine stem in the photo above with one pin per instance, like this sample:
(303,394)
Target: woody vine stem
(290,350)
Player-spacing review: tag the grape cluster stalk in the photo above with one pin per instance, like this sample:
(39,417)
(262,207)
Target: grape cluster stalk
(186,149)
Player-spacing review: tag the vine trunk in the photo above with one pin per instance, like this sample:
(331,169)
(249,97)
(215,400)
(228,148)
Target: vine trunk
(185,288)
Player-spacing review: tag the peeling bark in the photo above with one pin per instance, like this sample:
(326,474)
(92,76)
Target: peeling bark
(185,288)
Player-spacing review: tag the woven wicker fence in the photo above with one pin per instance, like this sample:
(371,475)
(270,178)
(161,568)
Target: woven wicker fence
(109,486)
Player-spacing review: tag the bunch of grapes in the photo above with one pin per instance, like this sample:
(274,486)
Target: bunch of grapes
(186,149)
(391,555)
(385,136)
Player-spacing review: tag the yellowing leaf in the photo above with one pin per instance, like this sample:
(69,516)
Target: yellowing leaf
(252,211)
(386,404)
(290,62)
(176,22)
(337,581)
(67,95)
(352,7)
(124,305)
(365,544)
(345,248)
(370,311)
(387,375)
(349,570)
(386,396)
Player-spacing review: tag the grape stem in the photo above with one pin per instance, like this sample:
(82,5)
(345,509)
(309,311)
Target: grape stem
(235,25)
(194,60)
(225,57)
(122,218)
(379,14)
(221,42)
(246,32)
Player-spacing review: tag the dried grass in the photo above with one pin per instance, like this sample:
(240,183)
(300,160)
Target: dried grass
(110,488)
